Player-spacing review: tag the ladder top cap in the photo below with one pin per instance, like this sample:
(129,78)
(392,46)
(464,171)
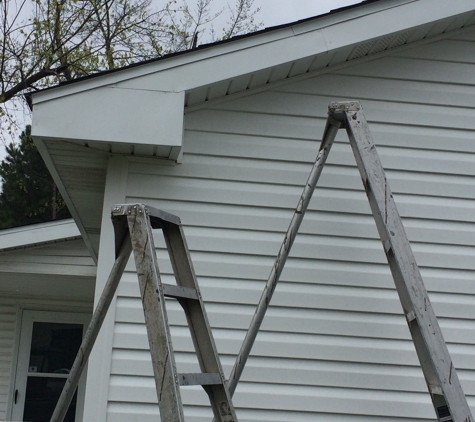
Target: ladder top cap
(337,110)
(157,217)
(344,106)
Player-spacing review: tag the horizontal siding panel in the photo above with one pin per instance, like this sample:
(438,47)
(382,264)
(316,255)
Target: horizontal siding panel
(297,346)
(317,399)
(304,372)
(284,106)
(445,50)
(374,88)
(261,195)
(7,338)
(319,313)
(69,257)
(214,271)
(226,122)
(49,259)
(323,247)
(324,223)
(250,144)
(420,169)
(124,412)
(48,269)
(415,70)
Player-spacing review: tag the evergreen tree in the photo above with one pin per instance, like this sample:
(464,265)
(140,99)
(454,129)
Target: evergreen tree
(29,194)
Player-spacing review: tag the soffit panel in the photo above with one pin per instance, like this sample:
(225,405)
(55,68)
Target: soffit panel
(327,60)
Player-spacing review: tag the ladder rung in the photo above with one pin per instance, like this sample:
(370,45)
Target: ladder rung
(204,378)
(411,316)
(179,292)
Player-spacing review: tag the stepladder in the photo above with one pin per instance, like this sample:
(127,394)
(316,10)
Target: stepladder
(139,220)
(133,226)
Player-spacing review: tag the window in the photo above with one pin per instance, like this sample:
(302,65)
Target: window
(48,345)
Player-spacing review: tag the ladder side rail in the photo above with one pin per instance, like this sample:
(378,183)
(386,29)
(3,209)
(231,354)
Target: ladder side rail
(92,331)
(156,320)
(194,310)
(198,323)
(431,348)
(329,135)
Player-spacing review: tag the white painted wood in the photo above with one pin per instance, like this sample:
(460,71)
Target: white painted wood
(66,257)
(98,374)
(113,114)
(38,234)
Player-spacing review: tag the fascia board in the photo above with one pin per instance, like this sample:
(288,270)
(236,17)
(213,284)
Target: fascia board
(171,63)
(303,44)
(37,234)
(393,20)
(251,54)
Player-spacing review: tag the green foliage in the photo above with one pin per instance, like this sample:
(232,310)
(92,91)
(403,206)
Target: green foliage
(29,194)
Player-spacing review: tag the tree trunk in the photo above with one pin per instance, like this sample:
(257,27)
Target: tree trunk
(54,202)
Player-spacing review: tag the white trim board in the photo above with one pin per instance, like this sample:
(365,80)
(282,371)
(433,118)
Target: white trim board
(38,234)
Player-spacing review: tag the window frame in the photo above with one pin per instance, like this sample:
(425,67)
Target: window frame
(20,374)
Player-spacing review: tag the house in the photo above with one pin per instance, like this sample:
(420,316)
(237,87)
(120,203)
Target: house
(224,137)
(47,281)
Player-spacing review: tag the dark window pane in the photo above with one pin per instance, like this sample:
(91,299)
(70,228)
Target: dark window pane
(54,347)
(42,394)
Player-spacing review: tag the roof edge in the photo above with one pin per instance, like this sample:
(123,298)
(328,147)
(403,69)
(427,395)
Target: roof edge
(208,51)
(38,234)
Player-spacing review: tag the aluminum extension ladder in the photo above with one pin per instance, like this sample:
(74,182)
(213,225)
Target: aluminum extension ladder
(133,226)
(442,381)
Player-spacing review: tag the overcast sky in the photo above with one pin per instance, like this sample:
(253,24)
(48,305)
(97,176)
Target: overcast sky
(277,12)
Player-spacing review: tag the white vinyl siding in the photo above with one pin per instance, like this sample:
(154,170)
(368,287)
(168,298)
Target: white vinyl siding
(58,276)
(67,257)
(7,337)
(60,270)
(334,345)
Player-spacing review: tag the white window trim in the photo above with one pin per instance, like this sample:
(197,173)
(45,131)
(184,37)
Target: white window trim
(23,340)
